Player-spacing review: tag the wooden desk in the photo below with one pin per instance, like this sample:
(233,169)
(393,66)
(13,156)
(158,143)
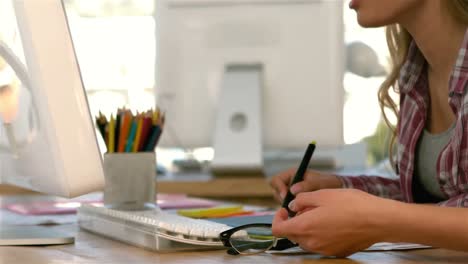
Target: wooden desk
(247,190)
(251,190)
(90,248)
(254,187)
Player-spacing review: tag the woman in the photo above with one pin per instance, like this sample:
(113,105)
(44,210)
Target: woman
(428,40)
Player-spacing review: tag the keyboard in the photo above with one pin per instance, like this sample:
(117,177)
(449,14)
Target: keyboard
(151,228)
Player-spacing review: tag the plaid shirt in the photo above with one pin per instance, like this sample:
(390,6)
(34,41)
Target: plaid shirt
(452,164)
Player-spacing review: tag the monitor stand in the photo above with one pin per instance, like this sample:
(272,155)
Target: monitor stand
(238,129)
(21,235)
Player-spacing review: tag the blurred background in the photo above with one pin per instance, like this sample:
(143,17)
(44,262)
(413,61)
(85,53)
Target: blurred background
(115,42)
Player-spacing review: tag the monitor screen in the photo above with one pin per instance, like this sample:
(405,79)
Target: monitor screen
(250,76)
(299,45)
(47,138)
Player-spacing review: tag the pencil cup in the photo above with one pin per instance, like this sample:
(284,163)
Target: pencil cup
(130,180)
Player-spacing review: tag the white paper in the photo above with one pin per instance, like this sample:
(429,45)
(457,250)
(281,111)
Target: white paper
(10,218)
(383,246)
(395,246)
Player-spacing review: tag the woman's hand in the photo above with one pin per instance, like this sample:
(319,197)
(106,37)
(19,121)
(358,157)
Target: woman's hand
(336,222)
(312,181)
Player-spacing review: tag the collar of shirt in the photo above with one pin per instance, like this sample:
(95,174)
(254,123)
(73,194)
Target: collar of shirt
(415,62)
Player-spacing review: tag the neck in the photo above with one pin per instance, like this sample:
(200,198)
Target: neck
(432,28)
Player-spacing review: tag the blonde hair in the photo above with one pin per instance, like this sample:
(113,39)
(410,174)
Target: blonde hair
(398,41)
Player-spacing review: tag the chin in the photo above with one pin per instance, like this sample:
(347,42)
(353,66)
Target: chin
(372,22)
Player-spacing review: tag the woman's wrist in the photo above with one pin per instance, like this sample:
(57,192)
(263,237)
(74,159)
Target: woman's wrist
(330,181)
(387,220)
(341,183)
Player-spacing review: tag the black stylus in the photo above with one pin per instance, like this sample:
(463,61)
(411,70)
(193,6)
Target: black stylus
(299,176)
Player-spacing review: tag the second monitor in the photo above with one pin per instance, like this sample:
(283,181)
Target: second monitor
(250,76)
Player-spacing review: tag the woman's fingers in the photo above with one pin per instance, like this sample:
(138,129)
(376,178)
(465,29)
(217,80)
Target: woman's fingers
(279,225)
(280,183)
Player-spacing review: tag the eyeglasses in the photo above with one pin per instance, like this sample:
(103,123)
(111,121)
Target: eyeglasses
(253,239)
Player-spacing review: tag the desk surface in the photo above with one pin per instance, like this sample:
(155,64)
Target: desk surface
(254,187)
(90,248)
(252,190)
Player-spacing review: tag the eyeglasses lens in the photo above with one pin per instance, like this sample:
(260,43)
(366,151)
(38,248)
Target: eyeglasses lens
(252,240)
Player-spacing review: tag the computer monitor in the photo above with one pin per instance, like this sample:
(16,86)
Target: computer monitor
(47,138)
(250,76)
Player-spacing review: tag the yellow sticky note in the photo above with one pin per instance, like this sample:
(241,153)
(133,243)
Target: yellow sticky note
(210,212)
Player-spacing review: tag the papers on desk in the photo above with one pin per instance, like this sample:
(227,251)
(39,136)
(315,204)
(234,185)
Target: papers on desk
(59,211)
(65,206)
(11,218)
(383,246)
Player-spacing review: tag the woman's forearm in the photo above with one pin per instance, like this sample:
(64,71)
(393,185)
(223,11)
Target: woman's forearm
(376,185)
(424,224)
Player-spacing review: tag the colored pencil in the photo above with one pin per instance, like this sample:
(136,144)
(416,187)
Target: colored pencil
(136,143)
(155,133)
(131,136)
(124,130)
(111,143)
(145,132)
(118,123)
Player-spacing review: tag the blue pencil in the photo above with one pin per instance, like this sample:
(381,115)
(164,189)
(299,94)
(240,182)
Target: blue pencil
(131,136)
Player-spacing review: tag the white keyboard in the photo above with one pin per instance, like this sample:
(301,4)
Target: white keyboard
(183,227)
(150,224)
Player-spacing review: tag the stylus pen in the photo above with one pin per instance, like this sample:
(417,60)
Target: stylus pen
(299,176)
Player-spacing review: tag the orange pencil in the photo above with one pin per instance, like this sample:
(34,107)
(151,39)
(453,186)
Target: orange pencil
(136,143)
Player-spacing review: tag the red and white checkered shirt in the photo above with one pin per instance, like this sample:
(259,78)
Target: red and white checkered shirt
(452,163)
